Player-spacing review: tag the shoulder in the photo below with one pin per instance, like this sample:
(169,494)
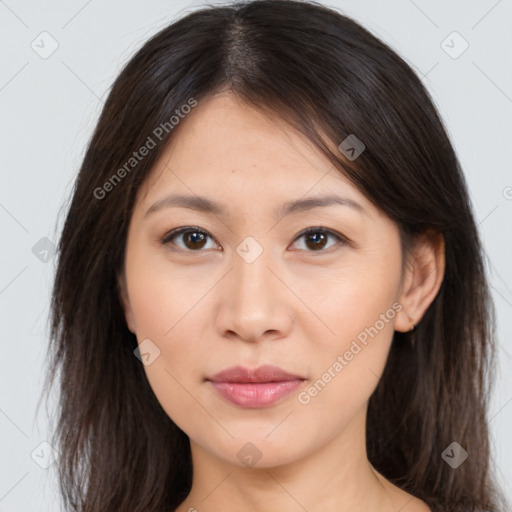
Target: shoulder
(402,500)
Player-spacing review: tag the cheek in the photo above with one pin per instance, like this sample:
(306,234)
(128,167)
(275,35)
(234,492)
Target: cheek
(172,318)
(353,300)
(161,294)
(166,319)
(347,370)
(166,304)
(359,312)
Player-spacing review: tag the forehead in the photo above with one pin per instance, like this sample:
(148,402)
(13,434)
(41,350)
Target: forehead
(227,149)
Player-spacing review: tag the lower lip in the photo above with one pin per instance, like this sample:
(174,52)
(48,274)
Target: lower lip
(255,394)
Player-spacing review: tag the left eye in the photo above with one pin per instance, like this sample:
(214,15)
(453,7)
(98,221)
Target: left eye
(195,239)
(316,238)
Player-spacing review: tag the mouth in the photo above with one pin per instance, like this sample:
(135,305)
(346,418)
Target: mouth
(260,387)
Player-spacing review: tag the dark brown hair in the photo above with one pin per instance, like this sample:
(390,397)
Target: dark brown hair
(328,77)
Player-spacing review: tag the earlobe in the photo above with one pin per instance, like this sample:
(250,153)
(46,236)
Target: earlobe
(422,280)
(125,303)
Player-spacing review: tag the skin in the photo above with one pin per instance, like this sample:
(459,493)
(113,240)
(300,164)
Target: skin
(206,309)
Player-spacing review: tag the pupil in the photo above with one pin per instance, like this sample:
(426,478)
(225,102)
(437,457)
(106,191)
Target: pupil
(194,237)
(317,237)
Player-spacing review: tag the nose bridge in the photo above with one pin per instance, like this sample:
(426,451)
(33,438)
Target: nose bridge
(252,302)
(252,279)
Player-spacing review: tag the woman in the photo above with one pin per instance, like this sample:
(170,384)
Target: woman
(270,292)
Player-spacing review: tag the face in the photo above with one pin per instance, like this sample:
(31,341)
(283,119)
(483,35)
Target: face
(245,285)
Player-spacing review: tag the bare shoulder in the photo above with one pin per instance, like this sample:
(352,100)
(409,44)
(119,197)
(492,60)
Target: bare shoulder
(402,500)
(416,505)
(406,502)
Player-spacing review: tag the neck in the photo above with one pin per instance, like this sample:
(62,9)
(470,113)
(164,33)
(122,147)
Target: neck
(337,477)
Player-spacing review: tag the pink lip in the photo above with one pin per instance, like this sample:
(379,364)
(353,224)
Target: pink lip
(255,388)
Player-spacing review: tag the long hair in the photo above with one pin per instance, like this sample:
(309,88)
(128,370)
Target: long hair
(328,77)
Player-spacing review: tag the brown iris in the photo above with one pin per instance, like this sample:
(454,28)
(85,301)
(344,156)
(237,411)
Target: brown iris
(194,239)
(318,240)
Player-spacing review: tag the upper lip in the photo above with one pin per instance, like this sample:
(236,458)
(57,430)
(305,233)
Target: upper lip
(265,373)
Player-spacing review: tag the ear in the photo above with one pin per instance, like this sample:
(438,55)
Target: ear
(423,275)
(125,302)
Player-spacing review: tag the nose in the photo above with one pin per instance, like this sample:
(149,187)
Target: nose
(255,303)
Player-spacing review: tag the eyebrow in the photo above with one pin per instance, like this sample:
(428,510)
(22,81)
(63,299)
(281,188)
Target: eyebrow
(206,205)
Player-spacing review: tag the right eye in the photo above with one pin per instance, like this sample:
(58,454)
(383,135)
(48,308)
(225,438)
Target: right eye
(192,238)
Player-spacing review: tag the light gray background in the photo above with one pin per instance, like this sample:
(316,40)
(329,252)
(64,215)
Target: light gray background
(50,105)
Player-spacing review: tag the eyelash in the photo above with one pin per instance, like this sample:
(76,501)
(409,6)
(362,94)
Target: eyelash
(317,230)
